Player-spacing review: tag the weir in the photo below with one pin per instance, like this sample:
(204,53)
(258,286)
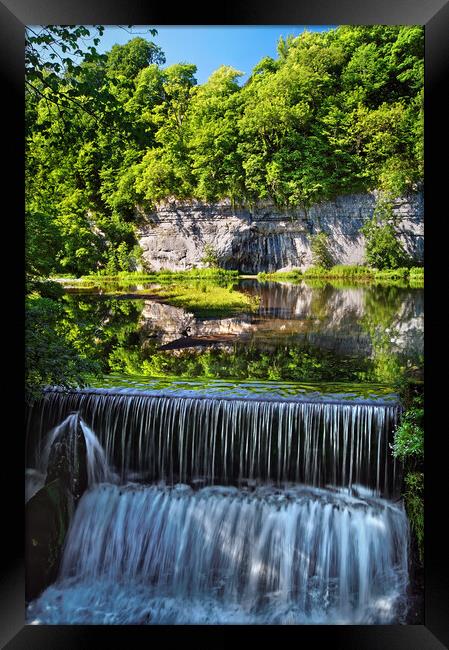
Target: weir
(214,509)
(220,440)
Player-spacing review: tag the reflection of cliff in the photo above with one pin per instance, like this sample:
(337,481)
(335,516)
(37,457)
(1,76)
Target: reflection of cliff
(347,321)
(408,336)
(169,324)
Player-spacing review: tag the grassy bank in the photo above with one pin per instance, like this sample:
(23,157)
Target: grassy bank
(207,299)
(413,276)
(214,274)
(205,292)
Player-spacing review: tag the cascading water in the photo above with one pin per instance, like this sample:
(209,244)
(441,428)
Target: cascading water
(97,464)
(301,533)
(227,441)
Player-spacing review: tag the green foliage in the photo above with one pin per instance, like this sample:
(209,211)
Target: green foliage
(129,59)
(51,357)
(414,504)
(408,447)
(319,245)
(316,272)
(383,248)
(210,257)
(294,275)
(416,276)
(408,443)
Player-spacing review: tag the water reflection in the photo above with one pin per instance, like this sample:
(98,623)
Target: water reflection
(300,332)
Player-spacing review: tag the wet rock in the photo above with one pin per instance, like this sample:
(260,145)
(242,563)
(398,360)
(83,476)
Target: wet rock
(49,511)
(68,459)
(47,518)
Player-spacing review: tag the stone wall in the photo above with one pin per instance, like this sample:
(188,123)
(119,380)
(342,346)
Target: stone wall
(264,238)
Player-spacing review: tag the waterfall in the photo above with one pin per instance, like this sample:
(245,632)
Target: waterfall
(302,555)
(97,465)
(213,509)
(230,441)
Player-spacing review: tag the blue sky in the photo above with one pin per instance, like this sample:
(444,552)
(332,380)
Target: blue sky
(208,47)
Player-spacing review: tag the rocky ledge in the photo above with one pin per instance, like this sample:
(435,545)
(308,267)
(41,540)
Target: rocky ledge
(178,235)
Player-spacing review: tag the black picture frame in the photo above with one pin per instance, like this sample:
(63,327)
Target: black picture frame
(434,14)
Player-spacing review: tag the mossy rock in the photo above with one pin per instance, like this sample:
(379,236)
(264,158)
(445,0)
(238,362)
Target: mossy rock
(47,518)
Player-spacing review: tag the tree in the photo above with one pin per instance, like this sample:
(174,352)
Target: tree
(383,248)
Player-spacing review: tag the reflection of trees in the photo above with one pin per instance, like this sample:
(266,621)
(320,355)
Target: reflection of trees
(283,363)
(111,332)
(388,310)
(98,327)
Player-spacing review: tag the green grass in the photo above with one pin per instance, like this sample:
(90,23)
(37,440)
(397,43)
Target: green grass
(213,274)
(413,276)
(294,274)
(206,299)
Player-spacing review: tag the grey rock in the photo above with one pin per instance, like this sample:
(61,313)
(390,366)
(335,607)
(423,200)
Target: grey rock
(264,238)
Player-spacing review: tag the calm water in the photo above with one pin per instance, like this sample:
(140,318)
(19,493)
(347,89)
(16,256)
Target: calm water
(313,332)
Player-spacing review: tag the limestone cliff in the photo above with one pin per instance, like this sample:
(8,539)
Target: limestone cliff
(264,238)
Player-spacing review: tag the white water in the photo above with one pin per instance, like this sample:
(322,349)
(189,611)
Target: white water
(222,555)
(97,465)
(223,441)
(277,553)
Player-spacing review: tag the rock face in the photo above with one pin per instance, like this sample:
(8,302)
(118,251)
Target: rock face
(178,235)
(49,511)
(47,516)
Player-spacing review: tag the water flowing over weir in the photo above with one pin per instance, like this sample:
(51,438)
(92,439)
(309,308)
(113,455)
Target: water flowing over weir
(215,509)
(227,441)
(303,555)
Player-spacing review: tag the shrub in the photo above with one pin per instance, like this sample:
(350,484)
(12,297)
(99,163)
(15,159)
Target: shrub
(414,504)
(383,248)
(408,445)
(210,257)
(319,245)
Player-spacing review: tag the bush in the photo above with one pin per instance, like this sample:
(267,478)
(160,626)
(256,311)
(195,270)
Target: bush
(408,445)
(316,272)
(383,248)
(319,245)
(210,257)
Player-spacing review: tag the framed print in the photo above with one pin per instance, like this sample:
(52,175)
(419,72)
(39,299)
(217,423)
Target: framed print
(222,265)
